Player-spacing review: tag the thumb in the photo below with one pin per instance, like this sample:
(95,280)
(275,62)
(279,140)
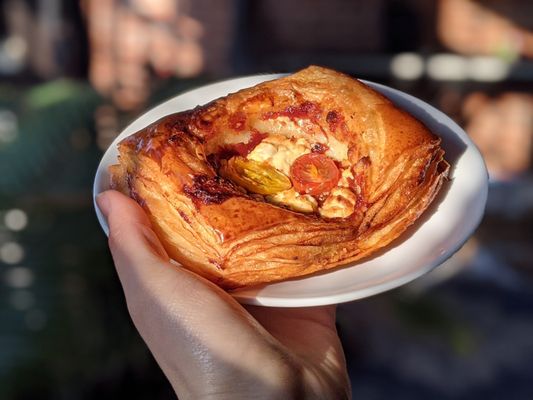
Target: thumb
(131,237)
(142,264)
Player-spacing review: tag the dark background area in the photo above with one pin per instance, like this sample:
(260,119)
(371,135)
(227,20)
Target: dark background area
(73,74)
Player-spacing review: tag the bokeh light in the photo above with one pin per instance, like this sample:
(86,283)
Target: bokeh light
(19,277)
(11,253)
(21,299)
(15,219)
(8,126)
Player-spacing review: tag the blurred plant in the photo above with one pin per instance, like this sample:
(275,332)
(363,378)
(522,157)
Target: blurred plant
(64,332)
(426,317)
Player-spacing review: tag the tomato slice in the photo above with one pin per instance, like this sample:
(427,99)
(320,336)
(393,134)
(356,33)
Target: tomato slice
(314,174)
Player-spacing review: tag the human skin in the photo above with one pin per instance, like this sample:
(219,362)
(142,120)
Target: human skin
(502,128)
(207,344)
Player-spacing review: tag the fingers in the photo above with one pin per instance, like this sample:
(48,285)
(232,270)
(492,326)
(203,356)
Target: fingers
(148,278)
(131,239)
(142,263)
(270,317)
(297,328)
(311,334)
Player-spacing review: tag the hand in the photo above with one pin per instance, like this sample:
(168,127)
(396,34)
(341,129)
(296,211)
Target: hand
(130,40)
(482,28)
(207,344)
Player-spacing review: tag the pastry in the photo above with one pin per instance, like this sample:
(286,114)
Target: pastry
(285,179)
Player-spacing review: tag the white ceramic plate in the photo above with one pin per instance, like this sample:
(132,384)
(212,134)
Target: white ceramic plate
(438,234)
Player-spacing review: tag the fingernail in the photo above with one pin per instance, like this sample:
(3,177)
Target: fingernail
(103,203)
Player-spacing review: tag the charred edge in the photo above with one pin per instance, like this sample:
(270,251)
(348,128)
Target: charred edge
(133,193)
(184,128)
(224,153)
(203,117)
(319,148)
(422,173)
(202,123)
(184,137)
(155,151)
(214,160)
(443,167)
(262,97)
(146,141)
(360,204)
(334,119)
(210,190)
(236,149)
(359,179)
(184,216)
(305,110)
(216,264)
(154,143)
(237,121)
(437,157)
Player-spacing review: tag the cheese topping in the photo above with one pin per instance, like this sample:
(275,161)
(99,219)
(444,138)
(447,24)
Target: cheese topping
(346,175)
(284,126)
(339,204)
(295,201)
(337,150)
(280,152)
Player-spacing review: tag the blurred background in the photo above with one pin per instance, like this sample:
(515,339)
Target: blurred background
(73,74)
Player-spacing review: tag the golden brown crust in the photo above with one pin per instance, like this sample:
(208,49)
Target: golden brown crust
(213,227)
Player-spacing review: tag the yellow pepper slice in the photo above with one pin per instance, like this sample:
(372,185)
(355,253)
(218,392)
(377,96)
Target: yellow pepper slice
(254,176)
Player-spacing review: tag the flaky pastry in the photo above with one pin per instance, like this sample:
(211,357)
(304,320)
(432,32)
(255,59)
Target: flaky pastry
(281,180)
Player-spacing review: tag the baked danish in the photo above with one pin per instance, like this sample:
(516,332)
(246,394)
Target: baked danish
(281,180)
